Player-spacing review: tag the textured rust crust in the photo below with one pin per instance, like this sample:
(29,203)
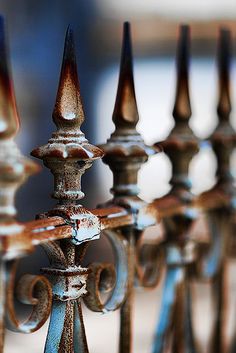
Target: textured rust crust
(194,235)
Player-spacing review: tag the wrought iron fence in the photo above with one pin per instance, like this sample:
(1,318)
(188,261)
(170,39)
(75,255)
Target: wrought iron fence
(66,231)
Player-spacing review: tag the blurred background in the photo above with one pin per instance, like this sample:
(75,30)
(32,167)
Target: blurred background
(36,37)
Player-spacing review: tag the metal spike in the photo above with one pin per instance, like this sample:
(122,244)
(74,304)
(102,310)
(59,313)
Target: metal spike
(9,120)
(125,113)
(224,60)
(182,144)
(182,107)
(68,112)
(223,138)
(14,167)
(68,153)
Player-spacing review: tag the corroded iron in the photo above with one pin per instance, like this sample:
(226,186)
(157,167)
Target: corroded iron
(174,329)
(68,154)
(218,203)
(125,153)
(14,170)
(220,217)
(195,234)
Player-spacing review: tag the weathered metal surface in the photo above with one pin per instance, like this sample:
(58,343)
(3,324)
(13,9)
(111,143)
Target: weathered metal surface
(174,329)
(125,153)
(113,217)
(31,290)
(194,233)
(14,170)
(68,154)
(30,234)
(104,278)
(149,259)
(223,141)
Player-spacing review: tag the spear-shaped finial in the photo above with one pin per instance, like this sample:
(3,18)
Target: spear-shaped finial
(182,107)
(125,115)
(9,121)
(223,138)
(181,145)
(14,168)
(68,154)
(125,151)
(68,112)
(224,60)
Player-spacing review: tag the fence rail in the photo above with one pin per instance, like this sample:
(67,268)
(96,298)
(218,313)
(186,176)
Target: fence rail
(65,231)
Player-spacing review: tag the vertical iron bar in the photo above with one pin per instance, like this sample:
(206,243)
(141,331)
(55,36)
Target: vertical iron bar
(175,331)
(125,153)
(14,169)
(223,141)
(68,154)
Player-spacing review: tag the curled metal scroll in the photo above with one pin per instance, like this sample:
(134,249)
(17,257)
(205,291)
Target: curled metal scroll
(32,290)
(104,278)
(149,263)
(98,277)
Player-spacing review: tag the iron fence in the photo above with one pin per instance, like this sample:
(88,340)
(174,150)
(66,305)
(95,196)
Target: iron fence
(66,231)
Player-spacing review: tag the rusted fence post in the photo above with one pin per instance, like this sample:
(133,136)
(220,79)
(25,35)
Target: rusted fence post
(174,330)
(125,153)
(223,141)
(65,231)
(14,170)
(68,154)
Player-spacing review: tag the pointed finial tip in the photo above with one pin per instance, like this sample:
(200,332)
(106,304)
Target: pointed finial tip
(224,30)
(127,40)
(69,28)
(125,112)
(68,112)
(126,26)
(9,120)
(224,42)
(184,37)
(225,34)
(182,108)
(183,50)
(69,32)
(184,42)
(69,46)
(2,41)
(184,29)
(224,61)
